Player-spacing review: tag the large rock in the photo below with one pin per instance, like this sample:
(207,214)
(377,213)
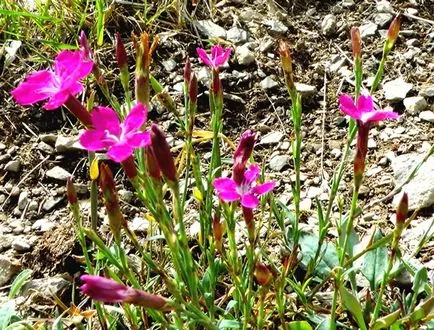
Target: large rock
(420,190)
(58,173)
(210,30)
(8,268)
(396,90)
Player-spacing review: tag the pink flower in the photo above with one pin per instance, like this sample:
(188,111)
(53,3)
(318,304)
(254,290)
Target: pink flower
(57,85)
(104,289)
(218,56)
(118,138)
(247,191)
(364,110)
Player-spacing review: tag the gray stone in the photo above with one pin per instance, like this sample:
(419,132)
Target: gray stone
(420,190)
(384,6)
(139,224)
(266,44)
(169,65)
(396,90)
(23,199)
(427,91)
(268,83)
(49,138)
(45,147)
(15,191)
(427,116)
(348,3)
(314,192)
(203,76)
(306,90)
(8,268)
(368,30)
(336,63)
(51,203)
(13,166)
(4,158)
(237,35)
(33,205)
(43,225)
(125,195)
(328,25)
(21,244)
(2,146)
(211,30)
(276,27)
(383,19)
(415,104)
(272,138)
(46,288)
(67,144)
(277,163)
(244,55)
(58,173)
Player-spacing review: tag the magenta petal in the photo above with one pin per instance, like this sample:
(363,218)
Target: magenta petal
(139,139)
(75,87)
(71,65)
(264,188)
(374,116)
(119,152)
(105,118)
(347,106)
(57,100)
(135,119)
(229,196)
(93,140)
(250,201)
(365,103)
(37,87)
(251,174)
(216,51)
(223,184)
(222,59)
(204,57)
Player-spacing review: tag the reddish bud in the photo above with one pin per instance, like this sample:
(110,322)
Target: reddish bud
(162,154)
(187,70)
(84,46)
(263,274)
(130,168)
(218,230)
(71,194)
(242,155)
(392,34)
(121,53)
(192,89)
(356,42)
(361,151)
(286,61)
(152,164)
(106,290)
(216,84)
(402,210)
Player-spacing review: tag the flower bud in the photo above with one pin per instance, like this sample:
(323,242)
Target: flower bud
(216,84)
(162,154)
(361,151)
(286,61)
(392,34)
(218,230)
(356,42)
(94,169)
(106,290)
(192,89)
(121,53)
(402,210)
(130,168)
(71,194)
(242,155)
(187,70)
(263,274)
(152,164)
(78,110)
(84,46)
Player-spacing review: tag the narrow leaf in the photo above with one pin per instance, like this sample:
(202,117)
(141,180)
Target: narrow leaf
(375,263)
(353,306)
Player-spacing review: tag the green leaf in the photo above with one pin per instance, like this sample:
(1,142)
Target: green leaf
(7,311)
(19,281)
(375,263)
(299,325)
(229,324)
(420,279)
(325,325)
(309,245)
(386,321)
(99,5)
(353,306)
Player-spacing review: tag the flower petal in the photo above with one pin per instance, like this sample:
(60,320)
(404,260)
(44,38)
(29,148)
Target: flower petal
(223,58)
(37,87)
(224,184)
(57,100)
(216,51)
(204,57)
(119,152)
(251,174)
(135,119)
(346,104)
(365,104)
(105,118)
(229,196)
(374,116)
(250,201)
(71,65)
(93,140)
(264,188)
(139,139)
